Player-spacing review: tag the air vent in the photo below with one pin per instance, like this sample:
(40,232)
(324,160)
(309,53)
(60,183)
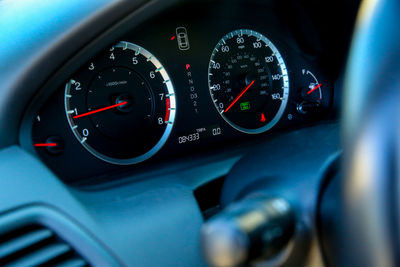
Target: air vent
(35,245)
(208,197)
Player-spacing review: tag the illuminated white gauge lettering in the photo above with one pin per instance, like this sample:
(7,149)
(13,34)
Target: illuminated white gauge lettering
(248,82)
(119,103)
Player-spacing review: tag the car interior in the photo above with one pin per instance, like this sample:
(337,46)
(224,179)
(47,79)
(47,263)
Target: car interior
(199,133)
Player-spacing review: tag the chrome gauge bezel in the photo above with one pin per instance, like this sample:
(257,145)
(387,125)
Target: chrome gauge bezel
(282,66)
(158,67)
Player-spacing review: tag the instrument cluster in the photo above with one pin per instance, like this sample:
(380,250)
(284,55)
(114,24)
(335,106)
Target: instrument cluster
(175,86)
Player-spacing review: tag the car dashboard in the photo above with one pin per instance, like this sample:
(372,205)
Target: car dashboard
(123,123)
(180,113)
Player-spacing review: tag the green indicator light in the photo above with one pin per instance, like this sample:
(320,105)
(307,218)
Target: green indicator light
(245,105)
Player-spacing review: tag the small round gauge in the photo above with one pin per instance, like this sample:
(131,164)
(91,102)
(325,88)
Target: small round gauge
(311,93)
(121,106)
(248,81)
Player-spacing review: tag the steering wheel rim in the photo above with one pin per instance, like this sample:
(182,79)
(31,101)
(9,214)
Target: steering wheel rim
(370,187)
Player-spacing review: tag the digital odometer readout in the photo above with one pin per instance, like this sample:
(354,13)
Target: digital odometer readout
(199,134)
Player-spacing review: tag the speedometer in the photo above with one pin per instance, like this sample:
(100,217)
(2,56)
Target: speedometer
(248,81)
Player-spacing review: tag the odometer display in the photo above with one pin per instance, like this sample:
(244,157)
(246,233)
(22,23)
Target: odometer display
(121,105)
(248,81)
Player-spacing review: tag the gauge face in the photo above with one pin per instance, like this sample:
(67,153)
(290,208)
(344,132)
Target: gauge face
(248,81)
(313,91)
(121,106)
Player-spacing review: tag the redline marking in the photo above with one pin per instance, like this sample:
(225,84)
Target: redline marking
(168,105)
(172,38)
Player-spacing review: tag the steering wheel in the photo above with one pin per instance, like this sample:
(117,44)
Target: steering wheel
(367,203)
(370,186)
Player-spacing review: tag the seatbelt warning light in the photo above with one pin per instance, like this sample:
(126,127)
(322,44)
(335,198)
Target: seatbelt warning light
(263,119)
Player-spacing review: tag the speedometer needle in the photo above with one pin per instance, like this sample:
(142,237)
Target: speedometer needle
(99,110)
(239,96)
(315,88)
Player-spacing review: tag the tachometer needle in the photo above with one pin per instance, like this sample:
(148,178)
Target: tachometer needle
(239,96)
(99,110)
(315,88)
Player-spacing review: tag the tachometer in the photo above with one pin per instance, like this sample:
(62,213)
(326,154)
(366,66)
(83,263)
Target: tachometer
(248,81)
(121,105)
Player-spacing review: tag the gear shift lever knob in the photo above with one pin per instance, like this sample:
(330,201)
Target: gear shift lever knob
(252,229)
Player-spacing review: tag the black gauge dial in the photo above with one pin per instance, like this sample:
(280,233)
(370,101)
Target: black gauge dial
(121,105)
(311,94)
(248,81)
(313,91)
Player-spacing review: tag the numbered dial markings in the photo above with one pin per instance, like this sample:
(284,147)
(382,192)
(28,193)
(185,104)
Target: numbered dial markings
(121,105)
(248,81)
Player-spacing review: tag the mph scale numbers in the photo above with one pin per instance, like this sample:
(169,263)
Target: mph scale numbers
(248,81)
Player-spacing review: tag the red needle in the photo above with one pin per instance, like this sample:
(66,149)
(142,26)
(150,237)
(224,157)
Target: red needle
(45,145)
(239,96)
(315,88)
(99,110)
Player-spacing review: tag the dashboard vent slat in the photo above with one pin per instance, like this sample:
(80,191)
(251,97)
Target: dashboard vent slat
(42,256)
(24,241)
(35,245)
(75,262)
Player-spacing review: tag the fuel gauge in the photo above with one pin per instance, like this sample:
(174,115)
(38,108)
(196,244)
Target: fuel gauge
(311,93)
